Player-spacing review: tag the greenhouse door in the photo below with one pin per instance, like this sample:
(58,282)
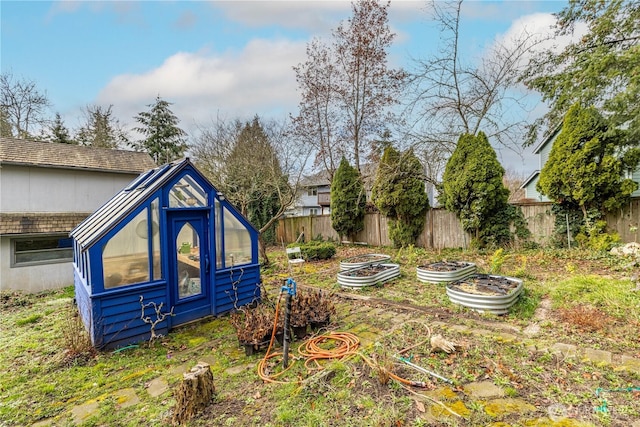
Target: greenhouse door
(189,266)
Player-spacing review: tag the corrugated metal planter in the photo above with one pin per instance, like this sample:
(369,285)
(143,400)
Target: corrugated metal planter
(368,275)
(484,292)
(363,260)
(445,271)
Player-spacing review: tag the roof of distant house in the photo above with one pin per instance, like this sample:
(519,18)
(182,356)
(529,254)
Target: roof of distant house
(68,156)
(321,178)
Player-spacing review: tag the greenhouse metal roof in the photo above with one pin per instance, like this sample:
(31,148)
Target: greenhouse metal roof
(111,213)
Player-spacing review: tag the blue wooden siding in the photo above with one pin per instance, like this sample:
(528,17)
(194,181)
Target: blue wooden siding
(119,314)
(243,282)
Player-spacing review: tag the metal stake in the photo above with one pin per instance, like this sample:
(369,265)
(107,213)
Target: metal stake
(290,288)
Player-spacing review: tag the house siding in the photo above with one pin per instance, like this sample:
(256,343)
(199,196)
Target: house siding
(48,189)
(531,193)
(37,189)
(32,278)
(636,177)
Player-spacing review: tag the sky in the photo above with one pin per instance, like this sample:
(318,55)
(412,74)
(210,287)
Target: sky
(229,59)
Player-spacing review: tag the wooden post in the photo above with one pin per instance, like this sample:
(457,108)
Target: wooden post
(194,393)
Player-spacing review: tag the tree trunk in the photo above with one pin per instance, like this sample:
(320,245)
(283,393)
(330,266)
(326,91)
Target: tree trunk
(194,393)
(262,250)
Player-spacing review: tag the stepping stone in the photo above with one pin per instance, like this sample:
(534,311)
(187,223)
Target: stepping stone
(567,350)
(126,397)
(84,411)
(483,389)
(157,386)
(235,370)
(507,406)
(631,364)
(597,356)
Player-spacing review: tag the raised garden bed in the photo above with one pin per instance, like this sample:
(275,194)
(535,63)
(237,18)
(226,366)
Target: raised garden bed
(368,275)
(363,260)
(445,271)
(485,293)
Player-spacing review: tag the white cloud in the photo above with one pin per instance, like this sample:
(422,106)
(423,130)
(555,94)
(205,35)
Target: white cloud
(257,80)
(541,28)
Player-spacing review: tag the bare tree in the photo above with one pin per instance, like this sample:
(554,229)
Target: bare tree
(316,123)
(513,180)
(252,163)
(452,95)
(347,88)
(23,106)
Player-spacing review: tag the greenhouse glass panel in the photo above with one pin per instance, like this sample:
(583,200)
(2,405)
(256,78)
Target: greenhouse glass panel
(155,244)
(188,244)
(187,193)
(125,257)
(237,241)
(218,231)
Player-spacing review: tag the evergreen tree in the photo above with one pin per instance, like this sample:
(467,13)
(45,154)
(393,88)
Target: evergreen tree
(601,68)
(163,139)
(102,129)
(472,188)
(347,200)
(58,132)
(586,164)
(5,125)
(254,178)
(399,194)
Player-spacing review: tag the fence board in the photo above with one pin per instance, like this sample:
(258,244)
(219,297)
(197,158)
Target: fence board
(443,230)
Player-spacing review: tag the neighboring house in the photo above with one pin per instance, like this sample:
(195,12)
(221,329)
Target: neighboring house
(314,197)
(543,150)
(46,189)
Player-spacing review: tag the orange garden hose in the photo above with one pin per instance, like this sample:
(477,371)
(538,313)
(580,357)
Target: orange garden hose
(312,352)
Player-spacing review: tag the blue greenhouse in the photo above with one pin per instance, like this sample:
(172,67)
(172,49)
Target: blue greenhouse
(168,238)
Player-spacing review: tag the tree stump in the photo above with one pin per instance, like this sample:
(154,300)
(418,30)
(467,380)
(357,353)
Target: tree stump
(194,393)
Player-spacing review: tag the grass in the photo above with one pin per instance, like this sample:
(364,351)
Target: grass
(46,368)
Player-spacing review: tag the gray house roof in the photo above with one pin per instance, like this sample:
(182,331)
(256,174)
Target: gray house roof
(547,139)
(67,156)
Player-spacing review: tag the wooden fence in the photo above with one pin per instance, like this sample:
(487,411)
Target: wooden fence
(443,229)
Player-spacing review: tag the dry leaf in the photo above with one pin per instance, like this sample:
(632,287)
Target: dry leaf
(420,406)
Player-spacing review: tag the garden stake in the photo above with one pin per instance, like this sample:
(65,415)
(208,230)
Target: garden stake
(421,369)
(290,288)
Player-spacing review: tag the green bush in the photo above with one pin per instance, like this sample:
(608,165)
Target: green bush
(596,237)
(316,250)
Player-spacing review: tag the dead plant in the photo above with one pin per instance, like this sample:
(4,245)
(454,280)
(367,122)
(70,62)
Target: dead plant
(321,307)
(78,348)
(252,324)
(585,318)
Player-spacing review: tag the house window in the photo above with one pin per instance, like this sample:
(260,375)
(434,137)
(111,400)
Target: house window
(313,191)
(42,250)
(313,211)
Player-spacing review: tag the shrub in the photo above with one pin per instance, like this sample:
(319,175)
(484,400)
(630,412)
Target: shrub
(596,237)
(316,250)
